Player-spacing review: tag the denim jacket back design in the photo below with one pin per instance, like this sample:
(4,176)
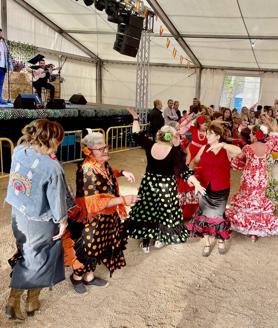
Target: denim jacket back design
(37,186)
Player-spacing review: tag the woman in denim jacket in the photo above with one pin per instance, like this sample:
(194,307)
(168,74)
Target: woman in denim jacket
(37,193)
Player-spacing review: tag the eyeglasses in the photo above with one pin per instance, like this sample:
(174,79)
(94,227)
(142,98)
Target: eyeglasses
(101,149)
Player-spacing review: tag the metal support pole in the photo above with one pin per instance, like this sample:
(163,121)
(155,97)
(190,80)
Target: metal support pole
(198,83)
(4,19)
(143,70)
(99,65)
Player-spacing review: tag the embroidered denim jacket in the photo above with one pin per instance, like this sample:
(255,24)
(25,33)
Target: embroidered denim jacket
(37,186)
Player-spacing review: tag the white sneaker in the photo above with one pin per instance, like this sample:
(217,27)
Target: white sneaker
(146,249)
(158,244)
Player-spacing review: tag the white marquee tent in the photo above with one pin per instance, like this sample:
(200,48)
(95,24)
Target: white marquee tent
(218,37)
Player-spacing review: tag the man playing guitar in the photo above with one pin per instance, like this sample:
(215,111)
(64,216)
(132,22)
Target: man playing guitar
(41,74)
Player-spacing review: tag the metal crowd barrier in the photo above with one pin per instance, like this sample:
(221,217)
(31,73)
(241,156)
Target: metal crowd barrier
(119,138)
(5,159)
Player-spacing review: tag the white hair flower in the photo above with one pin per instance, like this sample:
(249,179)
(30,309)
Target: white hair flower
(264,129)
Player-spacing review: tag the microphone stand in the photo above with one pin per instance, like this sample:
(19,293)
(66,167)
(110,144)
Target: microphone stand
(59,74)
(8,66)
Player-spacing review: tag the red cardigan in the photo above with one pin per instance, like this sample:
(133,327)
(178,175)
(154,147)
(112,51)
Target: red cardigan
(214,169)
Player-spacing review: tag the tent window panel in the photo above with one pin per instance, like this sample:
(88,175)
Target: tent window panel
(239,91)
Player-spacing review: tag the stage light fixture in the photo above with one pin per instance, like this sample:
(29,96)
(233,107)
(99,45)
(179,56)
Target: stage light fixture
(112,7)
(89,2)
(116,11)
(100,4)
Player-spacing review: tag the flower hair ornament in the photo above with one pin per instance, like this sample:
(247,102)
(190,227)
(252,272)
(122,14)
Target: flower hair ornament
(264,129)
(201,120)
(86,151)
(167,136)
(261,133)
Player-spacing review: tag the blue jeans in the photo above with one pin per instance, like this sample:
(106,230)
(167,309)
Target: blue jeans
(2,78)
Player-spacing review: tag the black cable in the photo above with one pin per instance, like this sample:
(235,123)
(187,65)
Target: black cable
(249,37)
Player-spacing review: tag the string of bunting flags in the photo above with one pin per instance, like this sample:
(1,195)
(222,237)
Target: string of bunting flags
(173,49)
(140,7)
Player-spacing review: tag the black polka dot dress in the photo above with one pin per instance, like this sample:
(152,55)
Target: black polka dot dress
(102,238)
(158,215)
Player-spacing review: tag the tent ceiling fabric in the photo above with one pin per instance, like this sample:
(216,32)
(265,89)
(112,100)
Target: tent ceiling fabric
(75,16)
(200,17)
(222,17)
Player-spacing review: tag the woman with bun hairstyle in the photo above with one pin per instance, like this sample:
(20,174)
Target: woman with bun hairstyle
(38,194)
(251,212)
(157,215)
(212,168)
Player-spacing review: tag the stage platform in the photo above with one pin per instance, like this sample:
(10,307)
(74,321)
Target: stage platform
(74,117)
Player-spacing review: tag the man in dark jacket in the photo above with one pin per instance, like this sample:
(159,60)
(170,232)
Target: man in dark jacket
(176,107)
(196,106)
(155,118)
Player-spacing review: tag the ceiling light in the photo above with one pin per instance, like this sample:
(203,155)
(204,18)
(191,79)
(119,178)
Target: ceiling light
(88,2)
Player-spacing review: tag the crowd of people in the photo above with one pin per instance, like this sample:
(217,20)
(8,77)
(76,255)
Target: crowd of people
(184,193)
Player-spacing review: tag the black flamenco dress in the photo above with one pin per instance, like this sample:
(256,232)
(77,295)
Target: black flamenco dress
(158,215)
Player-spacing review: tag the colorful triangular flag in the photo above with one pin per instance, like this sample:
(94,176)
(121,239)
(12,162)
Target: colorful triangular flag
(174,52)
(168,42)
(146,12)
(161,30)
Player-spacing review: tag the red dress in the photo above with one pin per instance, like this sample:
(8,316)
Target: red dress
(197,143)
(188,200)
(251,212)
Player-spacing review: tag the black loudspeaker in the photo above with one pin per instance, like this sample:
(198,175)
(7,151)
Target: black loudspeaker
(56,104)
(126,45)
(78,99)
(27,101)
(129,35)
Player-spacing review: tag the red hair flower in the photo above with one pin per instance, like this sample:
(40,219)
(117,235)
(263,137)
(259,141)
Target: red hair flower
(201,120)
(260,135)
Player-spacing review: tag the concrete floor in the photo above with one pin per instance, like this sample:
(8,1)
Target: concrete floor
(171,287)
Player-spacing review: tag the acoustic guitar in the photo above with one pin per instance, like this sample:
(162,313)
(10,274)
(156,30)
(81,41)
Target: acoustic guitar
(40,73)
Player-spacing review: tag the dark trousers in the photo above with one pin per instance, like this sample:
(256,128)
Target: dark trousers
(2,78)
(38,85)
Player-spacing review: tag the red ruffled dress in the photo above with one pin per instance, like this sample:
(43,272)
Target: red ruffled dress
(251,212)
(188,200)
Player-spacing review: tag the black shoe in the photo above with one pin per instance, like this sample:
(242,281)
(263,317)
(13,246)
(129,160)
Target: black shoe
(96,282)
(78,285)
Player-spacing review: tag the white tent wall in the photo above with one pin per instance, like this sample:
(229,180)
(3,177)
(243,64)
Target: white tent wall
(269,88)
(25,27)
(80,77)
(119,85)
(211,86)
(172,82)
